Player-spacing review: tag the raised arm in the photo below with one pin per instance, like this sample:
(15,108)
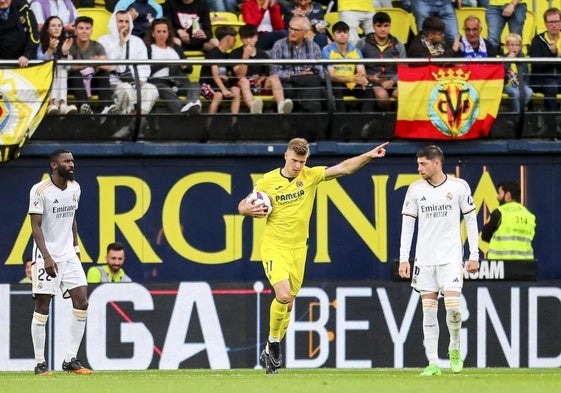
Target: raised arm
(353,164)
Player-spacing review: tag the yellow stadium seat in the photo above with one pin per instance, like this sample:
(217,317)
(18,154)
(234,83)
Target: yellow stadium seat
(413,23)
(463,13)
(401,22)
(235,24)
(332,18)
(538,7)
(528,32)
(101,20)
(223,17)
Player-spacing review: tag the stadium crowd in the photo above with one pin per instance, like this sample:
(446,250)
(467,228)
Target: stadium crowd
(281,29)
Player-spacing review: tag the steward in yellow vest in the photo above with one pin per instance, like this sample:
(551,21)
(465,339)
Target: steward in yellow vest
(511,227)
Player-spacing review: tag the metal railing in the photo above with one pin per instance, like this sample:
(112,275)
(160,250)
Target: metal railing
(326,124)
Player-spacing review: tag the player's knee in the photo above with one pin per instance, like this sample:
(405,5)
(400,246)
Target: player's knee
(284,297)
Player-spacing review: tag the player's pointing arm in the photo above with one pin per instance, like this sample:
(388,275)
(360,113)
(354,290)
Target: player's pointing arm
(353,164)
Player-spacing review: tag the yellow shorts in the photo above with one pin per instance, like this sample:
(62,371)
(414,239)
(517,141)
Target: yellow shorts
(285,264)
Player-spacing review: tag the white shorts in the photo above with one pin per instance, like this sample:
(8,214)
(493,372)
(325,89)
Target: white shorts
(70,275)
(438,278)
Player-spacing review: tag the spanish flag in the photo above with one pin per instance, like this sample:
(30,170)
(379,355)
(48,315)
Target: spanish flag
(24,97)
(437,102)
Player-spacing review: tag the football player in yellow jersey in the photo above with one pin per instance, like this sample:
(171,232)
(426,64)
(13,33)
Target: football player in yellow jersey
(292,190)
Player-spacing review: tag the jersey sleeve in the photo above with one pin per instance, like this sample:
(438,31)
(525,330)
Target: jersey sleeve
(467,204)
(35,202)
(409,204)
(318,173)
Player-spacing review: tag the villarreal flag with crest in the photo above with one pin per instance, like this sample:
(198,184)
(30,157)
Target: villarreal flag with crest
(437,102)
(24,97)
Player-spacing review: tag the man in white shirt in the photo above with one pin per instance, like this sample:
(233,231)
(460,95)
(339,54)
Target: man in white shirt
(120,44)
(438,202)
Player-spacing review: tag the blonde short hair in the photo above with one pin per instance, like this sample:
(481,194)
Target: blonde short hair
(513,37)
(299,146)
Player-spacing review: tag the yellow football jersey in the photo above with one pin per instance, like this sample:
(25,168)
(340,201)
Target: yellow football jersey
(293,200)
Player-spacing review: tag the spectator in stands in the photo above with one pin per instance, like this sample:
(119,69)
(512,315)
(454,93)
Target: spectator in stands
(472,44)
(546,77)
(511,227)
(430,41)
(501,12)
(64,9)
(347,79)
(112,270)
(84,81)
(120,44)
(142,12)
(54,44)
(382,45)
(515,73)
(266,15)
(314,12)
(171,80)
(216,84)
(357,14)
(444,10)
(255,78)
(303,83)
(190,20)
(18,32)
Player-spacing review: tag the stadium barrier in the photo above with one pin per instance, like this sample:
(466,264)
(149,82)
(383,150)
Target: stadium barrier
(352,125)
(218,325)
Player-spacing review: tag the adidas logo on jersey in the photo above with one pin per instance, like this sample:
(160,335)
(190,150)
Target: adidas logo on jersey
(55,201)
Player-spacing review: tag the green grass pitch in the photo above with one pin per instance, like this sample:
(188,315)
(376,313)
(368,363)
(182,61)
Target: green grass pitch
(496,380)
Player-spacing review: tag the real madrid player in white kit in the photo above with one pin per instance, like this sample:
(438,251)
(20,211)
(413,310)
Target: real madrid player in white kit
(56,264)
(438,202)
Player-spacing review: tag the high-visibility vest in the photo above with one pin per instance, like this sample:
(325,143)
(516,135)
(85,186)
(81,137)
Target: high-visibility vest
(105,275)
(513,237)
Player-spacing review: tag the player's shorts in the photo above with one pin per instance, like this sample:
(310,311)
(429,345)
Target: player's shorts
(285,264)
(438,278)
(70,275)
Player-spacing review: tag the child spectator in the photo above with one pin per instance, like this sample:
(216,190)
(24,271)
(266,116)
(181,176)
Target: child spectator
(255,77)
(215,82)
(515,72)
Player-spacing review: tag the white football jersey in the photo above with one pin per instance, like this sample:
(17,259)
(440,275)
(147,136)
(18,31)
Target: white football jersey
(58,208)
(438,211)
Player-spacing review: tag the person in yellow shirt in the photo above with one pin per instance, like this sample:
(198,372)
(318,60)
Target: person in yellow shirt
(112,271)
(292,190)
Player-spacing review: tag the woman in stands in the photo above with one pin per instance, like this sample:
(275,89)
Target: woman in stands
(55,44)
(266,15)
(171,80)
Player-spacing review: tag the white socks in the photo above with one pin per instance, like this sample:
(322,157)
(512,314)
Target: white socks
(77,327)
(431,329)
(38,332)
(453,320)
